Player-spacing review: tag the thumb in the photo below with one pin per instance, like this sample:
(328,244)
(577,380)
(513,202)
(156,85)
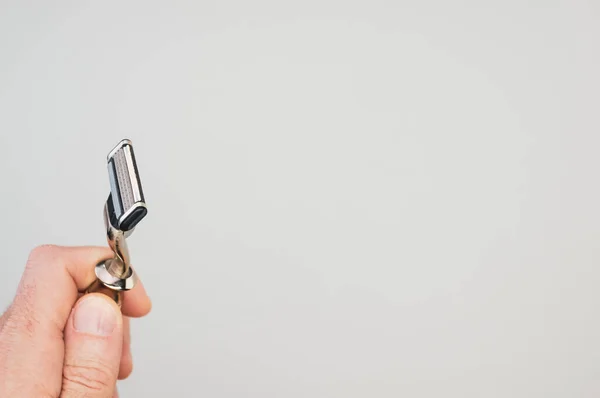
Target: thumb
(93,343)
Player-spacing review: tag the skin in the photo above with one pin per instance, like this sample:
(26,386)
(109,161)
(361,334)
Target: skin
(46,349)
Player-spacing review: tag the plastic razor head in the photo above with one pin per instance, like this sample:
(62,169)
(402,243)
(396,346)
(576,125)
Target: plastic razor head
(126,205)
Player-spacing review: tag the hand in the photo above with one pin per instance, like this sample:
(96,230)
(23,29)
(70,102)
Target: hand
(54,343)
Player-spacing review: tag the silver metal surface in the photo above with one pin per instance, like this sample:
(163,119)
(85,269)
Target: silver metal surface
(121,263)
(113,282)
(123,210)
(126,197)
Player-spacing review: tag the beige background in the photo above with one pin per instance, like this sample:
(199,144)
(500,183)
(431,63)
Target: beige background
(347,199)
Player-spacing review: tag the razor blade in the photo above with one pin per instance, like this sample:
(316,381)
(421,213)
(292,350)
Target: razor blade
(126,203)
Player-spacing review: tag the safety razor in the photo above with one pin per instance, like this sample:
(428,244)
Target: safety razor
(123,210)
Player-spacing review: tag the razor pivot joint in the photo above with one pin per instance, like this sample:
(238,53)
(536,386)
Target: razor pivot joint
(123,210)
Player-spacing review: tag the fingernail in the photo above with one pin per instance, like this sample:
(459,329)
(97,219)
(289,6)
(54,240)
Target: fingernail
(94,315)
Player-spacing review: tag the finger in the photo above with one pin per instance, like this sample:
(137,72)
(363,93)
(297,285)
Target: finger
(116,393)
(54,275)
(52,279)
(126,358)
(33,325)
(93,348)
(136,302)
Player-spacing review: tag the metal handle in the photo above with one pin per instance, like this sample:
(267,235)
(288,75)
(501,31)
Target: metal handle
(114,275)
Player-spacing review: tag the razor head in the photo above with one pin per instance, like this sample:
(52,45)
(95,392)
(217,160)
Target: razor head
(126,205)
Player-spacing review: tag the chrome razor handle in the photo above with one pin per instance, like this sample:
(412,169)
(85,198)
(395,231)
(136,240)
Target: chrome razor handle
(123,210)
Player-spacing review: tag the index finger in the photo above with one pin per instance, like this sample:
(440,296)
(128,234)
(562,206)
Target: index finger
(55,275)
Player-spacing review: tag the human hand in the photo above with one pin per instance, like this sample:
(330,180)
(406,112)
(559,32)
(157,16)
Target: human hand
(54,343)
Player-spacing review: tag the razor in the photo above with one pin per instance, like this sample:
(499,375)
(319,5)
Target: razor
(123,210)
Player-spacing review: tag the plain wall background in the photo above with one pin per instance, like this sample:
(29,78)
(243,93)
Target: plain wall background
(346,198)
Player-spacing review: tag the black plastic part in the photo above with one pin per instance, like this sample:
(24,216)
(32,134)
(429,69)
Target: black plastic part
(135,217)
(111,211)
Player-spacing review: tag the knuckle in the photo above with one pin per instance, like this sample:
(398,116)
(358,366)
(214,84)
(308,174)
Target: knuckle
(42,254)
(87,377)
